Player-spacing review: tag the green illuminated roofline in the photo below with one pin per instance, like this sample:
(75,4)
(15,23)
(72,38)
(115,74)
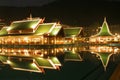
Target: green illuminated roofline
(105,31)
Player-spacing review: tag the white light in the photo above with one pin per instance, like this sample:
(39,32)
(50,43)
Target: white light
(41,55)
(33,26)
(65,49)
(34,65)
(8,61)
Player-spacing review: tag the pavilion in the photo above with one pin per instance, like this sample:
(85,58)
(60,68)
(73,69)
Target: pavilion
(30,33)
(72,34)
(104,35)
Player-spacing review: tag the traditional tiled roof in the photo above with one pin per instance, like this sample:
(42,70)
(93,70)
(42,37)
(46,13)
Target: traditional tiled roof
(3,58)
(22,27)
(55,30)
(44,28)
(72,32)
(104,30)
(49,29)
(3,31)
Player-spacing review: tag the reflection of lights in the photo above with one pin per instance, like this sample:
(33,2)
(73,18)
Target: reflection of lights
(118,36)
(92,52)
(26,39)
(45,40)
(25,51)
(61,41)
(6,50)
(14,53)
(73,50)
(57,50)
(52,41)
(12,50)
(73,38)
(45,52)
(99,50)
(41,37)
(61,49)
(99,38)
(27,54)
(19,40)
(70,49)
(116,50)
(110,49)
(13,41)
(57,41)
(36,52)
(52,51)
(65,49)
(65,41)
(19,51)
(42,55)
(102,49)
(115,39)
(69,41)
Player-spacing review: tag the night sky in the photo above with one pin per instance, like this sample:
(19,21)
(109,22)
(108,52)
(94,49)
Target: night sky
(70,12)
(24,3)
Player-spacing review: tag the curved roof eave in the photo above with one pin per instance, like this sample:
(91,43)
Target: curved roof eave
(105,31)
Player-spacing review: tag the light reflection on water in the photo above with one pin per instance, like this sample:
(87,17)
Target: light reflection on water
(94,61)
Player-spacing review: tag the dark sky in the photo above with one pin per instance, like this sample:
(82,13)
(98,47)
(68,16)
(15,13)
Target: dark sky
(40,2)
(23,3)
(71,12)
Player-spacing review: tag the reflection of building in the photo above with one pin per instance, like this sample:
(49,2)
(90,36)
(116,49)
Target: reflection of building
(104,36)
(32,64)
(104,49)
(104,52)
(71,54)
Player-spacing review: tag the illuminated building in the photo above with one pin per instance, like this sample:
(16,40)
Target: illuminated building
(104,36)
(72,34)
(21,42)
(27,42)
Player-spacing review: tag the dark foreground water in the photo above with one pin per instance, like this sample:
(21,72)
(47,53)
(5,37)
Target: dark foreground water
(90,68)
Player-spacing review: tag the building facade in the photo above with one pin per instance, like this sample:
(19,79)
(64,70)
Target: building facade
(104,35)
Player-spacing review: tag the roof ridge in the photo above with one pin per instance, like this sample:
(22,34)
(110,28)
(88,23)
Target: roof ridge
(105,31)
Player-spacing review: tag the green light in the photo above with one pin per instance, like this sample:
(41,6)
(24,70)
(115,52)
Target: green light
(104,58)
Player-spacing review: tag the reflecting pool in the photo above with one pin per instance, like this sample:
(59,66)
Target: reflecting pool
(74,62)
